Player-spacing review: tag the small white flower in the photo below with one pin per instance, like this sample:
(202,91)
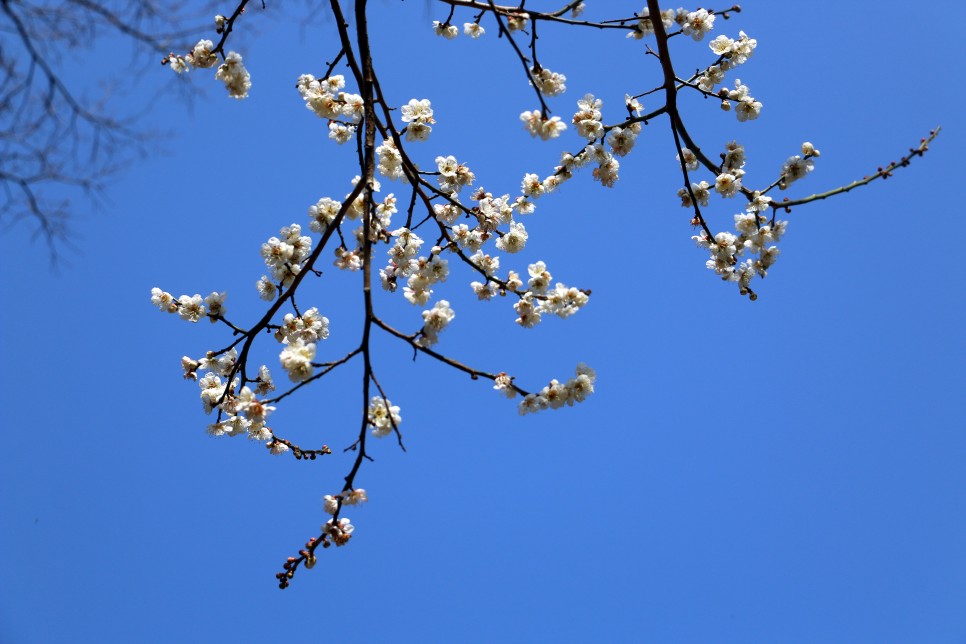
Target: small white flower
(809,150)
(549,83)
(794,169)
(266,288)
(727,184)
(383,416)
(473,29)
(191,308)
(233,73)
(690,159)
(163,300)
(445,30)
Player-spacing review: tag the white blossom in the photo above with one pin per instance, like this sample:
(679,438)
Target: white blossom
(690,159)
(794,169)
(445,30)
(504,384)
(266,288)
(514,240)
(549,83)
(435,320)
(201,56)
(698,23)
(191,308)
(727,184)
(216,305)
(546,128)
(473,29)
(419,115)
(163,300)
(178,63)
(341,133)
(234,75)
(296,359)
(383,416)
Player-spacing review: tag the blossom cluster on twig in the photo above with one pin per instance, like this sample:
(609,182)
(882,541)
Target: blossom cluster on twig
(444,220)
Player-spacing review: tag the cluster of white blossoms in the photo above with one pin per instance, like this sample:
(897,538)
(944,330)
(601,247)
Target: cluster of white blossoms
(549,83)
(588,122)
(692,23)
(701,193)
(220,365)
(231,72)
(733,52)
(390,161)
(308,327)
(420,271)
(728,182)
(587,119)
(245,412)
(322,213)
(340,532)
(190,307)
(445,29)
(607,166)
(491,214)
(449,31)
(562,301)
(234,75)
(419,116)
(325,98)
(756,234)
(296,359)
(453,176)
(746,107)
(435,320)
(556,394)
(284,256)
(797,167)
(538,125)
(383,416)
(466,224)
(332,502)
(645,25)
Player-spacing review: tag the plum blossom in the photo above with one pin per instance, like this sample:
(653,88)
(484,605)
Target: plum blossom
(558,394)
(549,83)
(538,125)
(435,320)
(514,240)
(419,115)
(698,23)
(473,29)
(234,75)
(794,169)
(383,416)
(445,30)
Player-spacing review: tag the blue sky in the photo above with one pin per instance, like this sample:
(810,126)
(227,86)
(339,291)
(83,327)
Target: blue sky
(784,470)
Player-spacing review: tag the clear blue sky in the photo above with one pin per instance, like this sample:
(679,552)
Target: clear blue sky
(788,470)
